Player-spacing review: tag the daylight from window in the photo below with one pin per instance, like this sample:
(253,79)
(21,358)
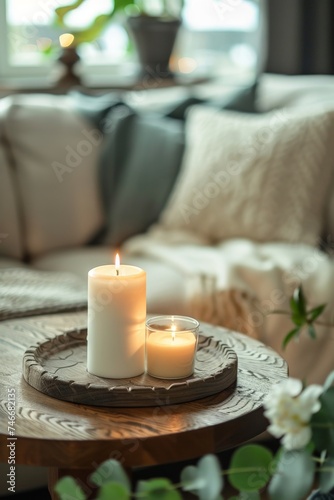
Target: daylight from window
(217,37)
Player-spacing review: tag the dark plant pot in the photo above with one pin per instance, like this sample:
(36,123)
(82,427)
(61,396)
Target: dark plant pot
(154,38)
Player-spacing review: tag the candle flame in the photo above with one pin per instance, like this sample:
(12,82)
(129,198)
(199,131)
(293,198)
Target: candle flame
(66,40)
(117,264)
(173,329)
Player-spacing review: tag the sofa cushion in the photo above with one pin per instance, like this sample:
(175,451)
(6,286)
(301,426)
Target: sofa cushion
(147,151)
(301,91)
(242,100)
(10,223)
(264,178)
(166,287)
(279,91)
(56,154)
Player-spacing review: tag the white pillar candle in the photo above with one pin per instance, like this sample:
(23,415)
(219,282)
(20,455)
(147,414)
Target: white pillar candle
(170,352)
(116,321)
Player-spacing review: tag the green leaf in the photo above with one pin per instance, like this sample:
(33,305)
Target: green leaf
(258,460)
(113,491)
(294,476)
(65,9)
(322,423)
(205,480)
(111,471)
(299,300)
(312,332)
(68,489)
(326,482)
(287,339)
(157,489)
(120,5)
(316,312)
(298,319)
(247,495)
(329,381)
(93,31)
(250,495)
(191,479)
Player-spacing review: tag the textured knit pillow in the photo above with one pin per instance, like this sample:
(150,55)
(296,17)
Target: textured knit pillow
(265,177)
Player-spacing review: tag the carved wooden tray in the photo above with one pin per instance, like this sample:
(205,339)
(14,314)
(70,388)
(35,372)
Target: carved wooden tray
(57,367)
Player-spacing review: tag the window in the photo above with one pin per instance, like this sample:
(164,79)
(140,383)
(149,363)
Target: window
(218,37)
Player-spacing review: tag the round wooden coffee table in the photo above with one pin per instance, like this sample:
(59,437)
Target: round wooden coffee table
(67,436)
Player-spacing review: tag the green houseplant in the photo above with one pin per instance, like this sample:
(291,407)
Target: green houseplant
(302,417)
(154,30)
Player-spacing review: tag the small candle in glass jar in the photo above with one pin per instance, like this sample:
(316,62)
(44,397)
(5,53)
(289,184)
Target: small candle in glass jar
(171,343)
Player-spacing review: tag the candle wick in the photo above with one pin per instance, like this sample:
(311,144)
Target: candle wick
(117,272)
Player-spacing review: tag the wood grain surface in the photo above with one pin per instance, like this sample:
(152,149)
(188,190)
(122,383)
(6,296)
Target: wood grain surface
(57,367)
(55,433)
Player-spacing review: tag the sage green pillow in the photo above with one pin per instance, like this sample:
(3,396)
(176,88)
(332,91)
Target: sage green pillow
(148,154)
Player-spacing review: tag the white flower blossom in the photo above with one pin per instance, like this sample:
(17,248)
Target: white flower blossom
(289,409)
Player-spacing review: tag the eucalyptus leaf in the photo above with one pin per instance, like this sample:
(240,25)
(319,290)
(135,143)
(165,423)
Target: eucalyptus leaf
(68,489)
(323,432)
(327,401)
(257,459)
(287,339)
(294,476)
(192,479)
(322,423)
(111,471)
(247,495)
(205,480)
(326,481)
(329,381)
(157,489)
(311,332)
(250,495)
(113,491)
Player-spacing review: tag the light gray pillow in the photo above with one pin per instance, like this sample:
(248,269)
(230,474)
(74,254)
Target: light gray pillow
(56,154)
(11,244)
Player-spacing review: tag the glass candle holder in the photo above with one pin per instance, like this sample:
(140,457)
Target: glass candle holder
(171,344)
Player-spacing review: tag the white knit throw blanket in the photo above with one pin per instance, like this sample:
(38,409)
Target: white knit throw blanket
(238,282)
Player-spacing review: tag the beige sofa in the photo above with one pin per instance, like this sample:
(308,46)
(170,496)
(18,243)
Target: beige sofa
(50,201)
(50,204)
